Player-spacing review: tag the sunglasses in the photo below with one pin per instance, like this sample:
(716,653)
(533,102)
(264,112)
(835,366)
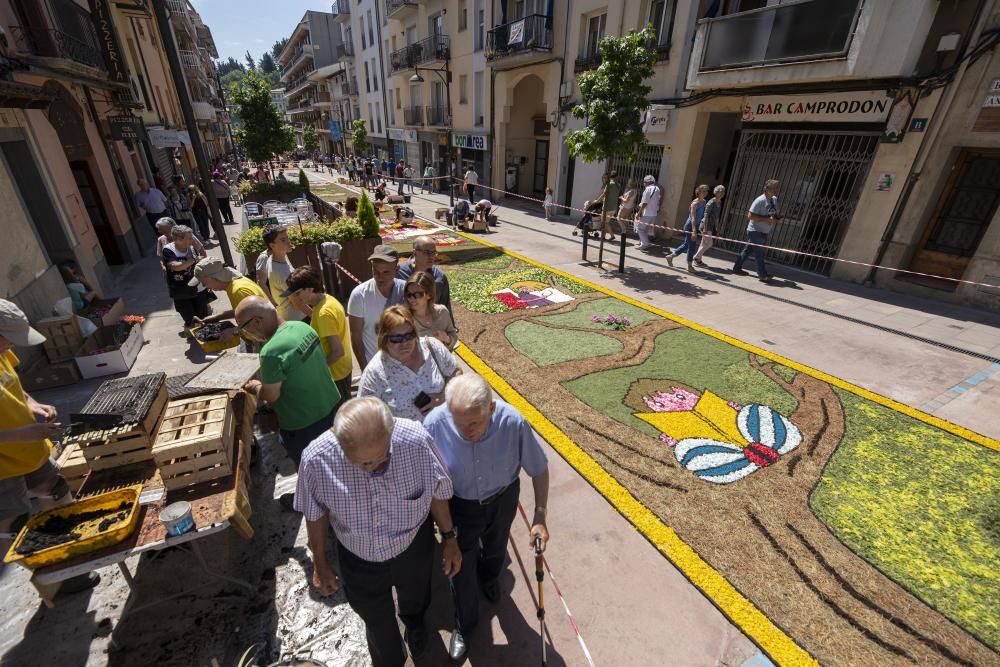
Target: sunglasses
(415,295)
(241,328)
(431,252)
(402,338)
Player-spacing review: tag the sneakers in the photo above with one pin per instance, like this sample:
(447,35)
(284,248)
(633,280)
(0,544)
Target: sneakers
(670,259)
(645,248)
(576,233)
(700,263)
(691,268)
(739,272)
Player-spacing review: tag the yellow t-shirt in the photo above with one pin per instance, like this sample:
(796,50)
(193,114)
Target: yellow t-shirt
(329,319)
(17,458)
(241,288)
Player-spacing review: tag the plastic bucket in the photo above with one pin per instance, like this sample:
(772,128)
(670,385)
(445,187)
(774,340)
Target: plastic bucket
(177,518)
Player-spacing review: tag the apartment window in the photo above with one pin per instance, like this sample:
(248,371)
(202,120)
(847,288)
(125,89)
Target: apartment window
(378,117)
(477,107)
(368,83)
(524,8)
(364,44)
(463,89)
(437,25)
(661,16)
(595,32)
(463,15)
(481,29)
(371,28)
(397,98)
(371,118)
(374,74)
(392,109)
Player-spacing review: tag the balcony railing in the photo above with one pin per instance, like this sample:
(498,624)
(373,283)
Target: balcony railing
(177,7)
(427,50)
(807,30)
(532,33)
(398,6)
(299,82)
(296,59)
(349,88)
(588,61)
(345,50)
(413,115)
(437,116)
(60,29)
(341,9)
(189,59)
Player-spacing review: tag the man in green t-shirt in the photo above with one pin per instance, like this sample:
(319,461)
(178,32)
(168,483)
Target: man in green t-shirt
(294,377)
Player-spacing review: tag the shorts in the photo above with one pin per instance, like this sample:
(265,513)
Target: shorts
(14,497)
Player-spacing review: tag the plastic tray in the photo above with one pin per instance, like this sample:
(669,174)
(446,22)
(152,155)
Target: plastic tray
(213,346)
(92,539)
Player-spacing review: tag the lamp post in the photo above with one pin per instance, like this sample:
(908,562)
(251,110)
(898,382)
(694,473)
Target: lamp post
(445,74)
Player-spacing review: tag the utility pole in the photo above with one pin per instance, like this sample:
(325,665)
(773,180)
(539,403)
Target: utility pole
(184,96)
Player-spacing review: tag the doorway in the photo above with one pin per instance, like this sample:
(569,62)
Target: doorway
(95,210)
(963,214)
(541,165)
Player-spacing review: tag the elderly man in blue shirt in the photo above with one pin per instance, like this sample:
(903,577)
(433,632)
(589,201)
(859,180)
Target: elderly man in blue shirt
(485,443)
(424,254)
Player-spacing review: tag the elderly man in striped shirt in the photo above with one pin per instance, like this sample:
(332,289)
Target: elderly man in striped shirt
(378,481)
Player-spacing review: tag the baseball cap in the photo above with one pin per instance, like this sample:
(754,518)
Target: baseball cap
(213,267)
(384,253)
(649,179)
(14,326)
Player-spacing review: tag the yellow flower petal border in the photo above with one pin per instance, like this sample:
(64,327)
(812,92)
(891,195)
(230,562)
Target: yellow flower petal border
(781,648)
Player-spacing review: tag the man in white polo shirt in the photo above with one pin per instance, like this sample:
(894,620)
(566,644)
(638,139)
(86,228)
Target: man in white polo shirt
(370,298)
(471,181)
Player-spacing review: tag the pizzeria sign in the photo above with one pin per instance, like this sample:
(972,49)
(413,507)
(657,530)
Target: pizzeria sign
(870,106)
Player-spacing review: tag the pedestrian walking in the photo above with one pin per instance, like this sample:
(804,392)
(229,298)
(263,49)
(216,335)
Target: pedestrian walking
(408,175)
(152,201)
(199,210)
(609,197)
(372,460)
(179,258)
(649,210)
(763,213)
(351,169)
(428,182)
(369,169)
(220,186)
(471,181)
(485,443)
(626,205)
(547,204)
(696,212)
(370,298)
(710,223)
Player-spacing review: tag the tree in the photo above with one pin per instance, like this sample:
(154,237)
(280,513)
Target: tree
(227,66)
(230,79)
(251,64)
(366,216)
(278,47)
(310,140)
(266,64)
(615,95)
(303,181)
(273,79)
(359,138)
(264,133)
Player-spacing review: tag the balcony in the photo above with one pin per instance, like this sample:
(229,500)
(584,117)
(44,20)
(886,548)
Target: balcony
(206,41)
(203,111)
(321,98)
(349,89)
(189,59)
(398,9)
(341,11)
(303,80)
(530,35)
(345,51)
(437,116)
(126,98)
(297,57)
(587,62)
(60,35)
(425,51)
(413,115)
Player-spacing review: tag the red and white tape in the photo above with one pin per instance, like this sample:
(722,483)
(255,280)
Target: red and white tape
(348,273)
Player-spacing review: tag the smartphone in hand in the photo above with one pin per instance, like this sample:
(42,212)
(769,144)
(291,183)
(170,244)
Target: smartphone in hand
(421,400)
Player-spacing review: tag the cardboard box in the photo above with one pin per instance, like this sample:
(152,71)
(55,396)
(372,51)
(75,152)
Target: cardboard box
(113,309)
(115,358)
(45,375)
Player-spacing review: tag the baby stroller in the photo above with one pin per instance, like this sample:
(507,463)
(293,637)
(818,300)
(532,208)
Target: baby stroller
(587,223)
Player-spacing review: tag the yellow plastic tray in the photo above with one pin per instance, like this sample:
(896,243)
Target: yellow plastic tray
(213,346)
(92,539)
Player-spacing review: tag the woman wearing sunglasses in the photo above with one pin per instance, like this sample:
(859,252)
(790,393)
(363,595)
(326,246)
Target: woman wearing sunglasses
(430,317)
(408,372)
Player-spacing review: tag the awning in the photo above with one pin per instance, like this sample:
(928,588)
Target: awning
(161,138)
(14,95)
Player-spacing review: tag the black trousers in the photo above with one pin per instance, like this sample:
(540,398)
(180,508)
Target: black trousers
(295,442)
(344,387)
(368,586)
(225,209)
(189,309)
(483,531)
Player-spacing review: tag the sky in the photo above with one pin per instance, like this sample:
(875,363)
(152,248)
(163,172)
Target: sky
(254,25)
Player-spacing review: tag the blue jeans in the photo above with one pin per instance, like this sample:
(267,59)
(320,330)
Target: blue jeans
(760,239)
(690,244)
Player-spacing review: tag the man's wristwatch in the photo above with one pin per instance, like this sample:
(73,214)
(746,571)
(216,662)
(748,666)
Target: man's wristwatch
(450,534)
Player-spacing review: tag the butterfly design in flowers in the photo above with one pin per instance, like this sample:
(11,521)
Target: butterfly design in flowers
(719,441)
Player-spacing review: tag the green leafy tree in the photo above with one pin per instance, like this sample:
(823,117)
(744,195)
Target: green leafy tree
(366,216)
(615,95)
(278,47)
(230,79)
(310,140)
(251,63)
(264,132)
(359,138)
(303,181)
(273,79)
(266,64)
(224,67)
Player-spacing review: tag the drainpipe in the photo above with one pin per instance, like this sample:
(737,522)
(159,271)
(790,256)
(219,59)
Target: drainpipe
(944,104)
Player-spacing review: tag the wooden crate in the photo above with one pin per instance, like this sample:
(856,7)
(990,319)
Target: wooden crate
(194,443)
(73,467)
(126,444)
(63,337)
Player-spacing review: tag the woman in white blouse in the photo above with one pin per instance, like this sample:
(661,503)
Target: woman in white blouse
(408,372)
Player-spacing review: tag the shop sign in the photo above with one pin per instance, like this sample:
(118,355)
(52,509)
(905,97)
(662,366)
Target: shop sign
(110,48)
(988,119)
(474,142)
(129,128)
(161,138)
(403,135)
(654,120)
(853,107)
(516,33)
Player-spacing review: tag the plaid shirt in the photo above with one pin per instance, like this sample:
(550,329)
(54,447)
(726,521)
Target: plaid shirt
(375,516)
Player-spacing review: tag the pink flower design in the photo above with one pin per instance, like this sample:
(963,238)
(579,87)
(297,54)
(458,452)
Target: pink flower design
(677,400)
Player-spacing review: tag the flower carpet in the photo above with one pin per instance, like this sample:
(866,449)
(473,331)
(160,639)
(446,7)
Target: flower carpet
(829,523)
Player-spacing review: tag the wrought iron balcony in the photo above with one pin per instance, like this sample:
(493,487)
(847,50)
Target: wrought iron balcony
(60,30)
(425,51)
(347,89)
(413,115)
(531,34)
(800,31)
(398,7)
(300,53)
(345,50)
(588,61)
(341,10)
(437,116)
(299,82)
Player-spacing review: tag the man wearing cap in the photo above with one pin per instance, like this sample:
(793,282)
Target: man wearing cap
(25,428)
(370,298)
(422,259)
(216,276)
(649,210)
(220,186)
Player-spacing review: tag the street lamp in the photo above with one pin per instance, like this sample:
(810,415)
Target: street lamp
(445,75)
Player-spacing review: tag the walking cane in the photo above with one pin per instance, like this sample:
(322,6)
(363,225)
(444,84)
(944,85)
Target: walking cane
(539,576)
